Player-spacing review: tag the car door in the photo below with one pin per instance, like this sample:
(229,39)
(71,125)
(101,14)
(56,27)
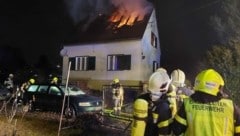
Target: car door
(55,98)
(40,97)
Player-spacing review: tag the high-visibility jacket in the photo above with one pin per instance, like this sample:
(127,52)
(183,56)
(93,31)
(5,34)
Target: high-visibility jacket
(208,119)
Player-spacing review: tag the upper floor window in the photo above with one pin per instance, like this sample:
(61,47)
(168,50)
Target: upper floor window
(153,40)
(118,62)
(83,63)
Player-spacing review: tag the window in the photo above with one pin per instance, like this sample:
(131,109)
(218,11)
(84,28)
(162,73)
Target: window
(155,66)
(153,40)
(54,90)
(83,63)
(118,62)
(32,88)
(43,89)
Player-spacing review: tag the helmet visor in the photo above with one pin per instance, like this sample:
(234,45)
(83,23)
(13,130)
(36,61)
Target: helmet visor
(164,87)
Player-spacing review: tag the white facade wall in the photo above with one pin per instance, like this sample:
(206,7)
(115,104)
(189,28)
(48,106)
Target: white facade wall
(101,51)
(151,54)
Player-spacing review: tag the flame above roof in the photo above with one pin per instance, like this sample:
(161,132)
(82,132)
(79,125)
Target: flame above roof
(105,28)
(126,19)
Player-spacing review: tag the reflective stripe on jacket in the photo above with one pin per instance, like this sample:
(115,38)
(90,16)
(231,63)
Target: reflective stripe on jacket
(213,119)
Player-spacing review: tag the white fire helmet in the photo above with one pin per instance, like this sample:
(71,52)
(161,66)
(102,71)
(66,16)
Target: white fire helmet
(161,70)
(10,75)
(178,78)
(158,84)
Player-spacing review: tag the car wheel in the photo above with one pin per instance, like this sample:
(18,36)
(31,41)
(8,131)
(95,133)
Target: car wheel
(70,113)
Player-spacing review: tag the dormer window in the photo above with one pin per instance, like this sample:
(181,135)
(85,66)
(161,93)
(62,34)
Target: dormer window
(153,40)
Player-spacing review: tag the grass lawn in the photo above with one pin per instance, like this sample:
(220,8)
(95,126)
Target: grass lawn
(33,126)
(47,124)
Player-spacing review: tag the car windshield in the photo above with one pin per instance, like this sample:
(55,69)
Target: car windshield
(72,90)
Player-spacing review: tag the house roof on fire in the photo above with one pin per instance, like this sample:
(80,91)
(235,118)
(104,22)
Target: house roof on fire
(101,29)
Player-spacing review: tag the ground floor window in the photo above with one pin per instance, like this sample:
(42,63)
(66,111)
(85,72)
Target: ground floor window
(83,63)
(118,62)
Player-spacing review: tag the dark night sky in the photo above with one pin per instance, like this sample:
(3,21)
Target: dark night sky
(186,33)
(35,27)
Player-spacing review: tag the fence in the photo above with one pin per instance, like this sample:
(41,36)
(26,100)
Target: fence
(130,94)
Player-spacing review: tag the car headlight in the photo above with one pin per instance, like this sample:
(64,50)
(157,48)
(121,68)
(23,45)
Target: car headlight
(84,104)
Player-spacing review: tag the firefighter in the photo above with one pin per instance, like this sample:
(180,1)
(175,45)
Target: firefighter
(178,85)
(159,113)
(9,83)
(206,112)
(118,96)
(24,87)
(171,94)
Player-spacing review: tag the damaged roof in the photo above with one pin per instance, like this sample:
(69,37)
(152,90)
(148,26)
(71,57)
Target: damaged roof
(101,29)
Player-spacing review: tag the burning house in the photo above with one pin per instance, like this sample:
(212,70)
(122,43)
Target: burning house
(124,45)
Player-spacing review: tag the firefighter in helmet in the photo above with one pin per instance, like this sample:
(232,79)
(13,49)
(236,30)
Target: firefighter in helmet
(171,94)
(118,95)
(206,112)
(24,87)
(178,86)
(9,83)
(159,114)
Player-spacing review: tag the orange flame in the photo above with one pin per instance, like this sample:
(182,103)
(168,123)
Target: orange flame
(115,17)
(129,12)
(122,18)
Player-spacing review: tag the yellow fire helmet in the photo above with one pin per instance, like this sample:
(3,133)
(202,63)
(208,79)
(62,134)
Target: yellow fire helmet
(178,78)
(55,79)
(208,81)
(116,80)
(32,81)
